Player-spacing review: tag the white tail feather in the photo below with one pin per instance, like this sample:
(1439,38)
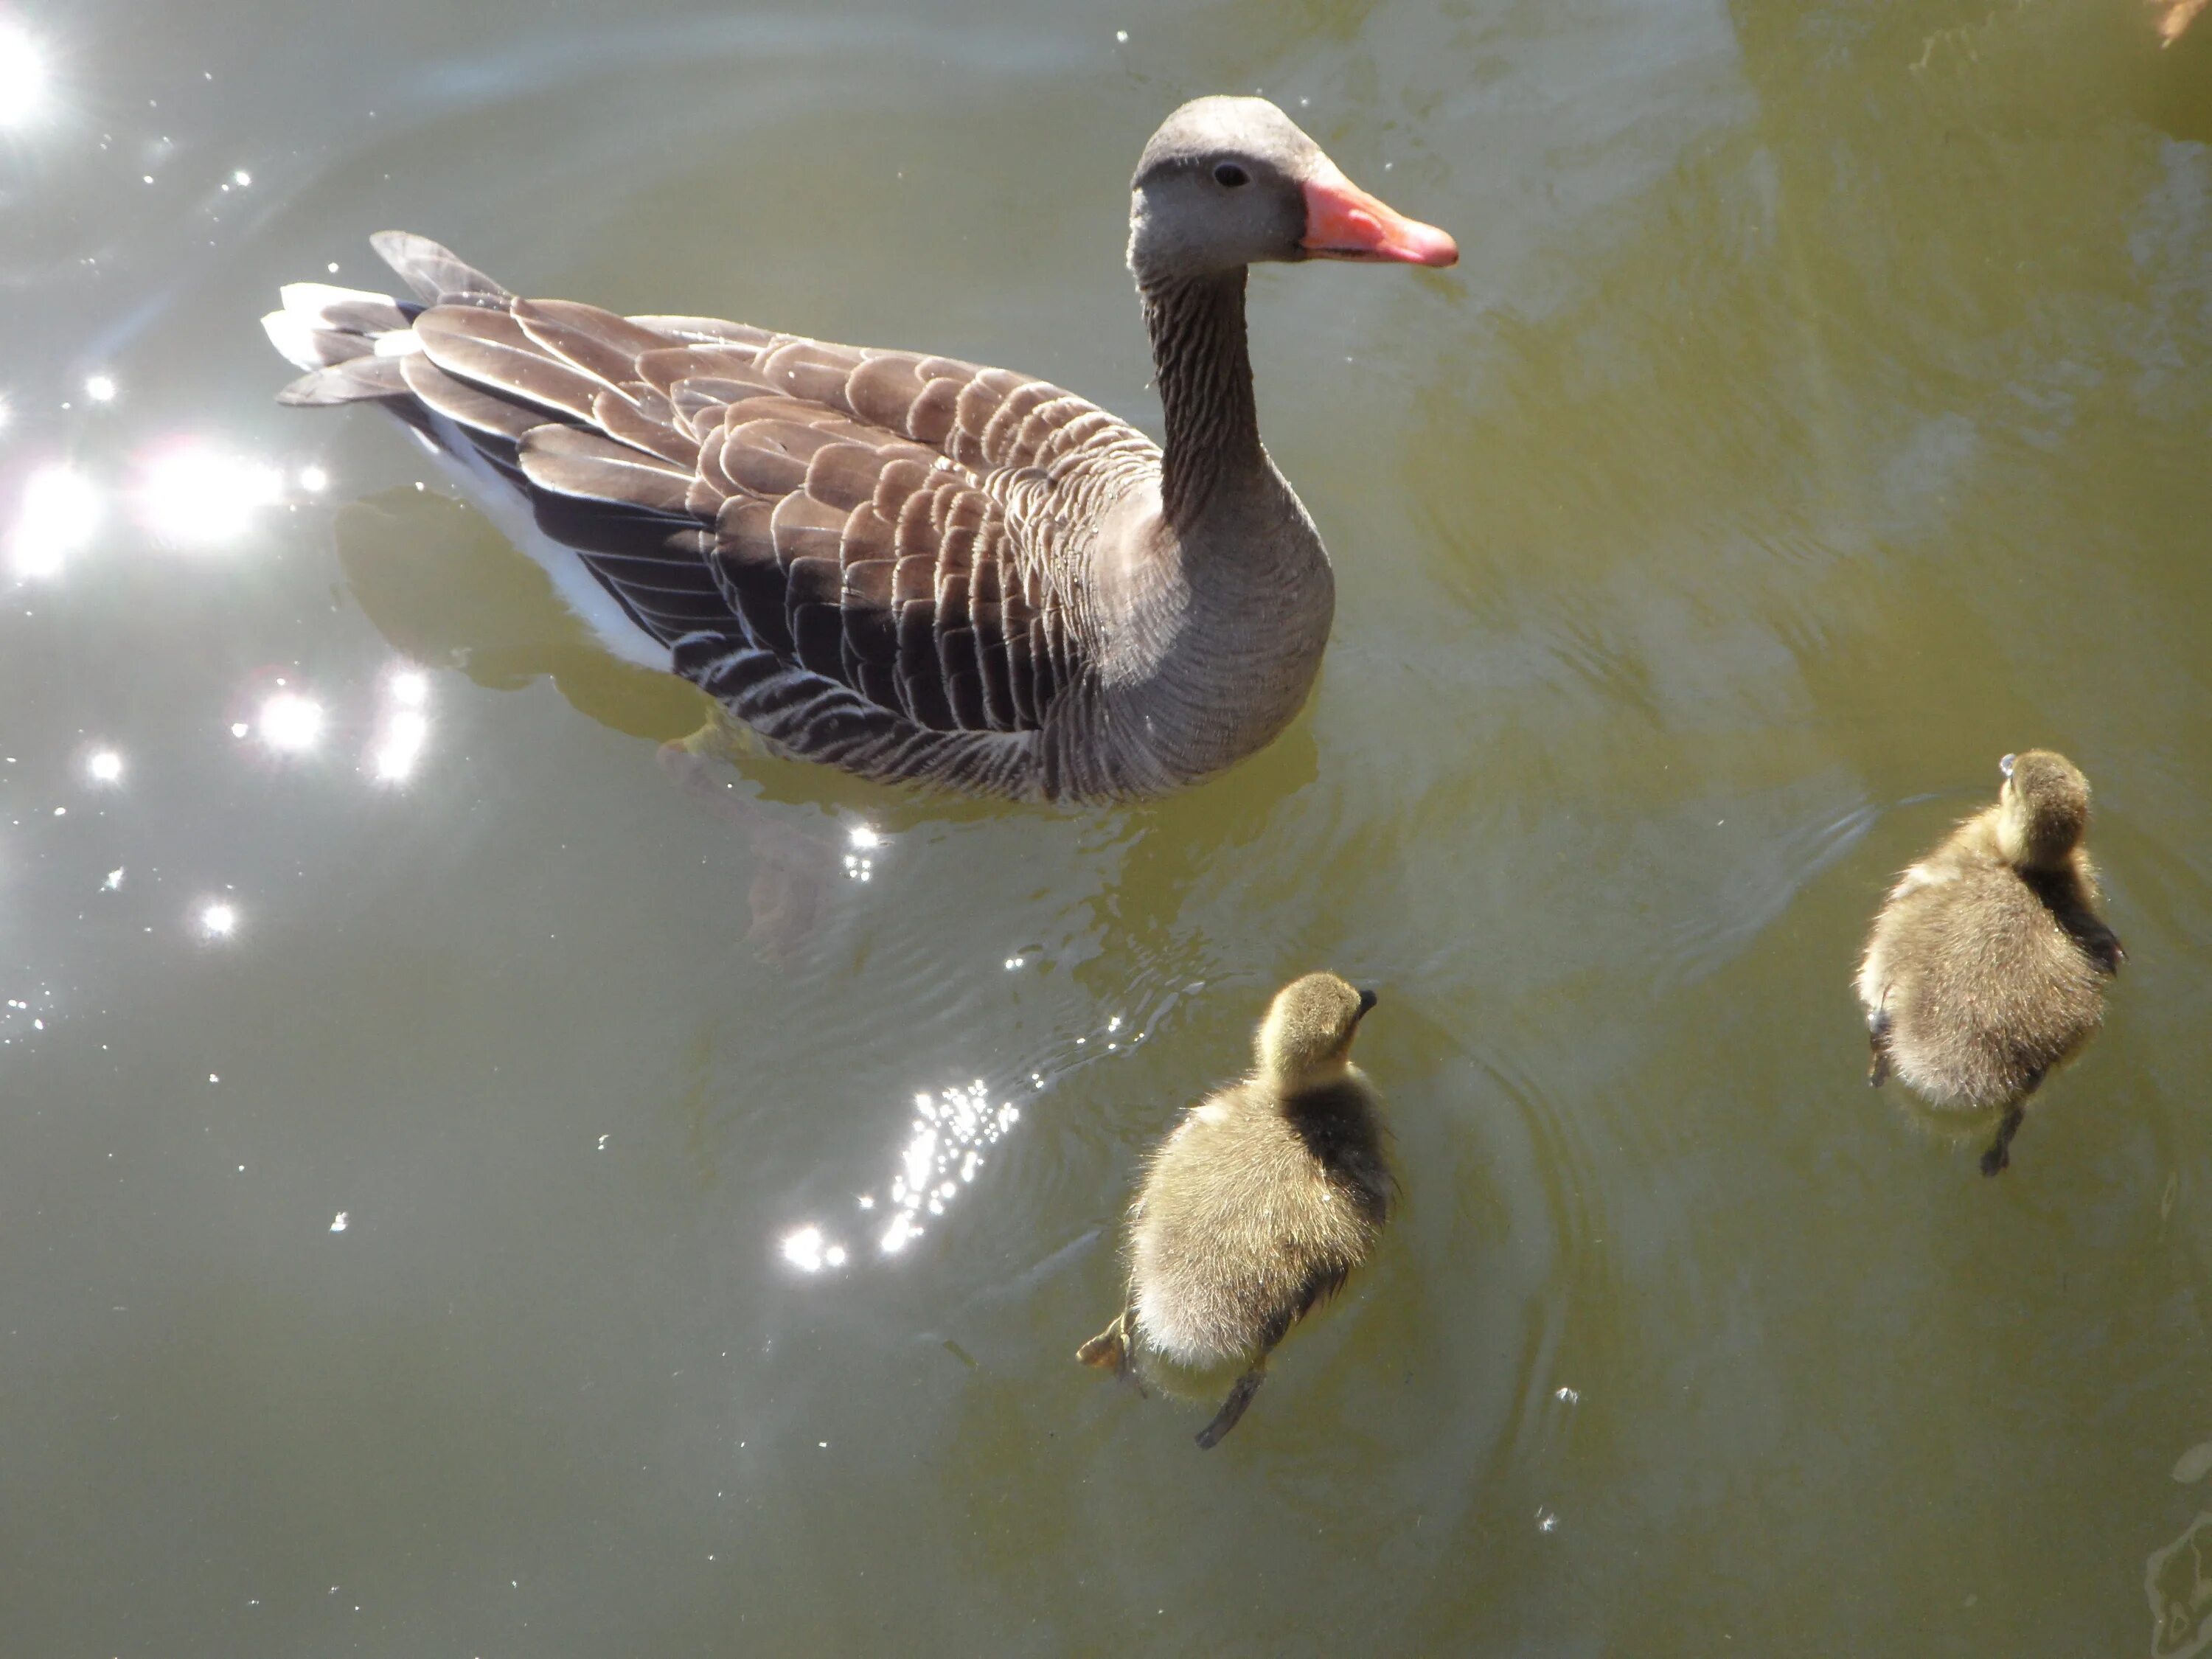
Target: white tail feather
(323,301)
(322,325)
(294,339)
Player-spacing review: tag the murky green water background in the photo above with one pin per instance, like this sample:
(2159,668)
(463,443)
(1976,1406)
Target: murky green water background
(1823,407)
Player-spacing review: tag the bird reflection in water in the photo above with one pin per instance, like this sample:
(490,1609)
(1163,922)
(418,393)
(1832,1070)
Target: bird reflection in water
(793,867)
(443,586)
(444,589)
(2177,1579)
(2173,18)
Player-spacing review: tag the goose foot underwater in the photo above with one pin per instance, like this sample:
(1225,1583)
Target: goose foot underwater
(792,870)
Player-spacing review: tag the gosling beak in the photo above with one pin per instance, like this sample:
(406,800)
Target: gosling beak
(1366,1002)
(1343,221)
(2005,765)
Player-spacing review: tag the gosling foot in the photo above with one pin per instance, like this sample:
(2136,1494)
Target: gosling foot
(1110,1351)
(1240,1396)
(1998,1158)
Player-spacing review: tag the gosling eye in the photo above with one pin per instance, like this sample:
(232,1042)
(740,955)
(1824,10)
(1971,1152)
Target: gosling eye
(1231,176)
(2005,765)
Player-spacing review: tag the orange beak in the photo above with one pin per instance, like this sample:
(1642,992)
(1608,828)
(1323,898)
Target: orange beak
(1343,221)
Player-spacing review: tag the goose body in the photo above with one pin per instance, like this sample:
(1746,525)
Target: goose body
(1258,1205)
(910,566)
(1986,966)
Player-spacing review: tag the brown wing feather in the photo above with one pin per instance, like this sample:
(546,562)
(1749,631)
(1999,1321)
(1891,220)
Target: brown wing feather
(865,553)
(571,461)
(455,399)
(871,555)
(491,350)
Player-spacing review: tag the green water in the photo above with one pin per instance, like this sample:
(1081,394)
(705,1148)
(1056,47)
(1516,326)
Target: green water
(1822,408)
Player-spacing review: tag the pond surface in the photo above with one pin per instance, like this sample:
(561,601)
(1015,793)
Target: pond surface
(450,1173)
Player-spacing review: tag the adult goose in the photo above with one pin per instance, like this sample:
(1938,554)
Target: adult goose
(909,567)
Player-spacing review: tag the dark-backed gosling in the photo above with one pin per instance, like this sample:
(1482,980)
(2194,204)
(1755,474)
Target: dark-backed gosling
(1987,965)
(1258,1204)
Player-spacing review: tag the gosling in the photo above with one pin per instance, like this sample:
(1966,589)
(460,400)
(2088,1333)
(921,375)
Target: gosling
(1987,965)
(1258,1204)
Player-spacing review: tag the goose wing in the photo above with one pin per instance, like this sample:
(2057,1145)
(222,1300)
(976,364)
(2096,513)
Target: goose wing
(851,548)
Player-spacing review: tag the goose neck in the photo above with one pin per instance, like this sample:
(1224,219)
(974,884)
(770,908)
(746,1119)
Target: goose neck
(1203,368)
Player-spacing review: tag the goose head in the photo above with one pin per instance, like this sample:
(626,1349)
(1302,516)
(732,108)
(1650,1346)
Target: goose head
(2043,808)
(1306,1037)
(1228,182)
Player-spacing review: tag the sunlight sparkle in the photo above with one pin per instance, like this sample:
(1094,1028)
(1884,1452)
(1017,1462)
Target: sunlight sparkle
(22,78)
(198,495)
(404,735)
(806,1250)
(290,723)
(55,518)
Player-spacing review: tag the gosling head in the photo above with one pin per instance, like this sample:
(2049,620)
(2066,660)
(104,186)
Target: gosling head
(2043,808)
(1307,1035)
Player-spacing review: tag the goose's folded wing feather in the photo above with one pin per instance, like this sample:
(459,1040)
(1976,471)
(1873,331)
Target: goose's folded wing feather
(895,524)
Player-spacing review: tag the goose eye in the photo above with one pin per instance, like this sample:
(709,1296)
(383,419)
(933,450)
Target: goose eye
(1231,174)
